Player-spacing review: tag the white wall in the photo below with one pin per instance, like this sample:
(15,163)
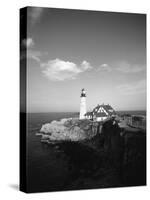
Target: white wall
(101,118)
(82,107)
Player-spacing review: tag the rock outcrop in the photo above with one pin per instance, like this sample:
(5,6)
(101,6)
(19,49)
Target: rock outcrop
(68,130)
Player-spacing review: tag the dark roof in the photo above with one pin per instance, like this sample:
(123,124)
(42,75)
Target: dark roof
(107,107)
(101,114)
(88,113)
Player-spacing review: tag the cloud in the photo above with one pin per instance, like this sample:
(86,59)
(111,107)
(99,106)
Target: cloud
(86,65)
(125,67)
(28,52)
(28,43)
(104,67)
(59,70)
(138,87)
(35,55)
(35,14)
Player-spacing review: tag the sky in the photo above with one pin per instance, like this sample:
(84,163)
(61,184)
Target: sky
(68,50)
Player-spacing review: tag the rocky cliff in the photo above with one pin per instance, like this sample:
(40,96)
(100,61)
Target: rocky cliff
(104,154)
(68,130)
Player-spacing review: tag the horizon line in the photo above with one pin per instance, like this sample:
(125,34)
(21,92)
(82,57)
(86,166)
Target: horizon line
(79,112)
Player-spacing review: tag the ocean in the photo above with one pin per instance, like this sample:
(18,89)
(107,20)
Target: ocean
(47,167)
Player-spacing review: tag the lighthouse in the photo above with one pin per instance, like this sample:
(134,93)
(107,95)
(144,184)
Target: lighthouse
(82,104)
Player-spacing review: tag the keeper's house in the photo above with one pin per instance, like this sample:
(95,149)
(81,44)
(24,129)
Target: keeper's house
(101,113)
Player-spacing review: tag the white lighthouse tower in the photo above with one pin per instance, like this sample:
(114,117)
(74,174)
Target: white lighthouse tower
(82,104)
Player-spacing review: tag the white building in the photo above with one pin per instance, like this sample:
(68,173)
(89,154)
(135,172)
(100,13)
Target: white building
(82,104)
(101,113)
